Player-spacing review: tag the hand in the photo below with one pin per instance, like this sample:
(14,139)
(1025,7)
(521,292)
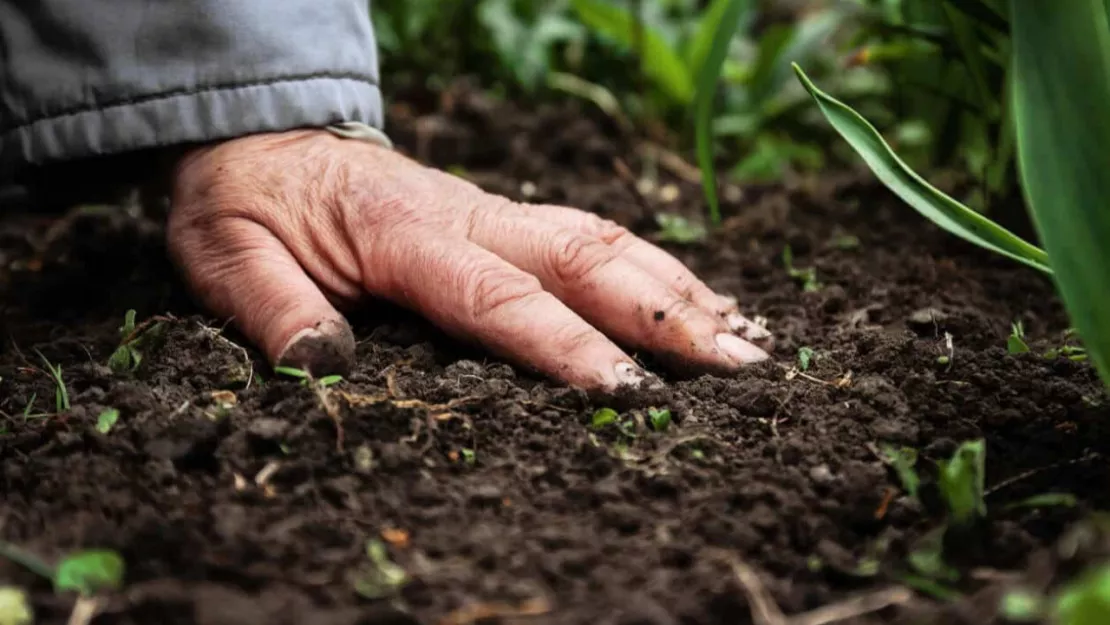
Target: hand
(279,231)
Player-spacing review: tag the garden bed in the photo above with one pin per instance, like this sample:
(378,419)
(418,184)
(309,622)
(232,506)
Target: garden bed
(489,487)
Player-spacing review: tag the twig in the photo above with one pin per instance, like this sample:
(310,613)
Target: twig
(765,611)
(1032,472)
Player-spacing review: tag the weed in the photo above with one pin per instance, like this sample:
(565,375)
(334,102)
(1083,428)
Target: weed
(806,277)
(660,419)
(380,577)
(106,420)
(805,357)
(961,482)
(61,393)
(1015,343)
(133,339)
(603,417)
(306,378)
(678,229)
(86,572)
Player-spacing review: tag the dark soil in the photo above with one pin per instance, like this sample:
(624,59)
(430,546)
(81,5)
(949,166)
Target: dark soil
(488,487)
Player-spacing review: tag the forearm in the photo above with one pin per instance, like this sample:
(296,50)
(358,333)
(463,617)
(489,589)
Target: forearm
(80,79)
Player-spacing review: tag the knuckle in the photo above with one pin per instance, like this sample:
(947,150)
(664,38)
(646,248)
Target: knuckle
(493,290)
(607,230)
(574,257)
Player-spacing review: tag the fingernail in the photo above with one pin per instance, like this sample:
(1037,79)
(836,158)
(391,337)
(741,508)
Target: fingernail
(729,301)
(740,350)
(327,349)
(748,329)
(628,373)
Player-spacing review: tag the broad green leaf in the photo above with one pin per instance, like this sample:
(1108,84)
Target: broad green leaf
(603,417)
(708,75)
(926,199)
(660,62)
(107,420)
(1060,90)
(89,572)
(1085,601)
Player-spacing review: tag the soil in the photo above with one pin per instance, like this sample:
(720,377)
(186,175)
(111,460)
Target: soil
(236,496)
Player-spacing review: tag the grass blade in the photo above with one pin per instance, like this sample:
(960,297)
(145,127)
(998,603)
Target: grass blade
(708,75)
(661,63)
(926,199)
(1061,85)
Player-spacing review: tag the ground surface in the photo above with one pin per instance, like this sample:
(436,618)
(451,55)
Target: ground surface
(488,487)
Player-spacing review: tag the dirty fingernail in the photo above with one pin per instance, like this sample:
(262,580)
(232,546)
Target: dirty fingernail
(628,373)
(326,349)
(740,350)
(748,329)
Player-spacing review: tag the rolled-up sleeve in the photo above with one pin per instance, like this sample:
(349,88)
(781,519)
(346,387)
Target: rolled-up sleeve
(83,78)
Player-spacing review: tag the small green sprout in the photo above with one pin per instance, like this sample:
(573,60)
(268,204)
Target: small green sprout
(107,420)
(128,355)
(805,357)
(903,460)
(381,577)
(603,417)
(807,277)
(86,572)
(306,378)
(1015,343)
(27,410)
(89,572)
(15,609)
(678,229)
(468,456)
(944,360)
(846,242)
(961,480)
(61,393)
(660,419)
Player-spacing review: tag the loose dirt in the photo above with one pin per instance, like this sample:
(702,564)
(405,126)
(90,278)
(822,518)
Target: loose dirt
(240,497)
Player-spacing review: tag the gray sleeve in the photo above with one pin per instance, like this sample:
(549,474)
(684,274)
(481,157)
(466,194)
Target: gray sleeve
(81,78)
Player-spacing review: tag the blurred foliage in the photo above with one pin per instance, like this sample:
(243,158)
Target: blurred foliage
(920,71)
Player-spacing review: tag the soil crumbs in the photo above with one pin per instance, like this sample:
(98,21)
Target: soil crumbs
(436,485)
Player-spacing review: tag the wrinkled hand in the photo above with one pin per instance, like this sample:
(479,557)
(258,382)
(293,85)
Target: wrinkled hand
(281,231)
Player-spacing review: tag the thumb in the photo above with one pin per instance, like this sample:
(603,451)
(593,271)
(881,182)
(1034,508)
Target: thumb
(239,269)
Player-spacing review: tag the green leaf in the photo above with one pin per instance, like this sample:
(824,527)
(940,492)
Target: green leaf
(329,380)
(709,23)
(292,372)
(709,73)
(89,572)
(903,459)
(380,577)
(660,419)
(15,609)
(967,39)
(1046,500)
(1060,90)
(981,12)
(805,356)
(961,480)
(603,417)
(660,62)
(926,199)
(107,420)
(1021,606)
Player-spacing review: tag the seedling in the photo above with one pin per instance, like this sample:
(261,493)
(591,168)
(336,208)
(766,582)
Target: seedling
(61,393)
(903,460)
(85,572)
(961,481)
(306,378)
(805,356)
(806,277)
(107,420)
(380,577)
(846,242)
(603,417)
(678,229)
(128,355)
(660,419)
(468,456)
(1015,343)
